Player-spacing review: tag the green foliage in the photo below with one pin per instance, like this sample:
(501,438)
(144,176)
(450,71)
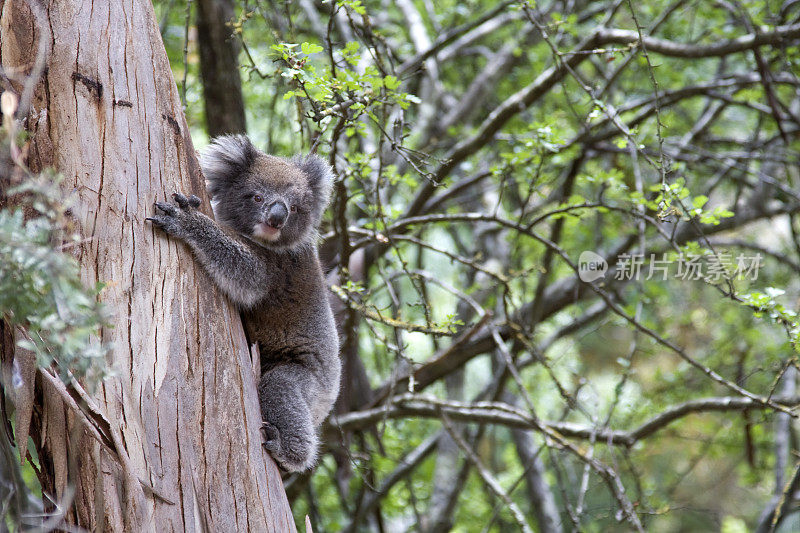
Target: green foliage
(766,303)
(40,285)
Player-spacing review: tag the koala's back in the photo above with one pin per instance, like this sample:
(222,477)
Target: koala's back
(294,325)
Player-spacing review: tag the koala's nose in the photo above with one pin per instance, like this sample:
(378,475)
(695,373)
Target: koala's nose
(277,215)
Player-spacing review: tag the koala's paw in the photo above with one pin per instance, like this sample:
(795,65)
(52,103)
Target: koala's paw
(293,453)
(270,433)
(177,221)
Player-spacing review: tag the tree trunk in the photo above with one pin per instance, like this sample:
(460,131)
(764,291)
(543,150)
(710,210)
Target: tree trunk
(219,68)
(172,441)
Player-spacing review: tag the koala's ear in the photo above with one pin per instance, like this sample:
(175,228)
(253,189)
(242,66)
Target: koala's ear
(320,177)
(225,160)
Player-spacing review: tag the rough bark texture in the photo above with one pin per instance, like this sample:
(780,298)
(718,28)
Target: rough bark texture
(179,423)
(219,68)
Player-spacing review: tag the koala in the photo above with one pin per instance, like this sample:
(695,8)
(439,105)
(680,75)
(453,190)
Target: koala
(262,253)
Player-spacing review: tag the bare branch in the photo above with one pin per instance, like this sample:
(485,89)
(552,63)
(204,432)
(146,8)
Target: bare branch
(781,36)
(410,405)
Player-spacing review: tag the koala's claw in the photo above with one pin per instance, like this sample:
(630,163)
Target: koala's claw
(167,209)
(270,433)
(186,201)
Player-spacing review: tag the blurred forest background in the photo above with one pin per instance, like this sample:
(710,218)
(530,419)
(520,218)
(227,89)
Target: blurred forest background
(496,376)
(481,147)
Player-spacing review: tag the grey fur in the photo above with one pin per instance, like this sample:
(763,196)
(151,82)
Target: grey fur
(277,281)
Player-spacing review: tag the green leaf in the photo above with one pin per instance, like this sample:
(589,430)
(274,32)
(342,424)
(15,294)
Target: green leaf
(699,201)
(310,48)
(391,83)
(576,199)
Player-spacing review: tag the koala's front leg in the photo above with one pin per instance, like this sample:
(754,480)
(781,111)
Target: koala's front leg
(235,269)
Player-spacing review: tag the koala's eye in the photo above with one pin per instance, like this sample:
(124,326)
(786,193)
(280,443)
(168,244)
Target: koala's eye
(258,198)
(293,209)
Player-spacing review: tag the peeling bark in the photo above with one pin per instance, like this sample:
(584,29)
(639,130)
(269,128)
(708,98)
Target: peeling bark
(181,449)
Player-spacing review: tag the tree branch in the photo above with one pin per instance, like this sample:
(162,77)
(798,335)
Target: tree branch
(780,36)
(500,413)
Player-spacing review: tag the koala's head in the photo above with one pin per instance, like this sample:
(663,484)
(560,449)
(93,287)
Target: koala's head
(275,202)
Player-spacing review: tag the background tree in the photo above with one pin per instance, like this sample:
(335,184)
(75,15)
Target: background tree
(219,67)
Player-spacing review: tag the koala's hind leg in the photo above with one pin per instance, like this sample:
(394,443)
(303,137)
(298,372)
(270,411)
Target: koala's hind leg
(290,436)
